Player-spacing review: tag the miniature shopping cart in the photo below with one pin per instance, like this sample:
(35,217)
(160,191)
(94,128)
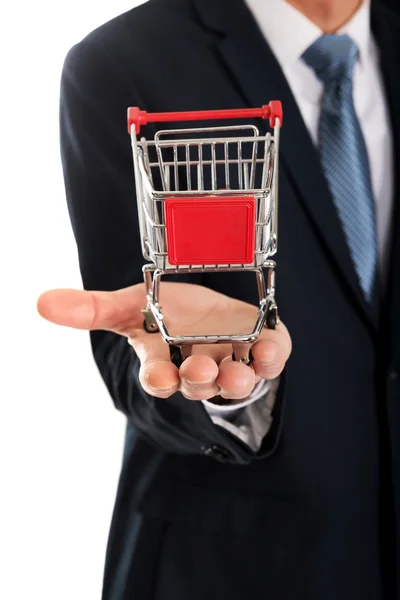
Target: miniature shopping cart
(208,201)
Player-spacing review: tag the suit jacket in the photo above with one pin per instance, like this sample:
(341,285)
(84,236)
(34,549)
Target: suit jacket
(392,4)
(315,514)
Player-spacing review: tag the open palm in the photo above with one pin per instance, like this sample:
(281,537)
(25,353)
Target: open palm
(189,310)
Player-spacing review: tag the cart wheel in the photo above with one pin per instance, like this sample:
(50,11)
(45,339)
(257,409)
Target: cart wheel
(175,354)
(149,323)
(150,327)
(243,360)
(272,317)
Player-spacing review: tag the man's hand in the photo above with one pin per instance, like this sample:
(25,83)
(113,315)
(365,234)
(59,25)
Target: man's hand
(189,310)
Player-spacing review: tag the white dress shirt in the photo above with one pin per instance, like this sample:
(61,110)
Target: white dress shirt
(289,33)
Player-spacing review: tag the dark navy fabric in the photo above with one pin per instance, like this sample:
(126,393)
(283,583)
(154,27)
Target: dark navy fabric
(315,515)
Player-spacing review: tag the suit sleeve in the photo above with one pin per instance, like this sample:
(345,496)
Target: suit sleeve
(98,173)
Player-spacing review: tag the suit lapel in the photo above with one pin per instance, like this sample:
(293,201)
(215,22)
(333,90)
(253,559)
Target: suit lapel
(260,79)
(386,29)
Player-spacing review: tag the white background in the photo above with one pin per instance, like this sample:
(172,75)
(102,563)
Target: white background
(61,439)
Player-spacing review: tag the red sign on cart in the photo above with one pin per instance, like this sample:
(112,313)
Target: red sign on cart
(210,231)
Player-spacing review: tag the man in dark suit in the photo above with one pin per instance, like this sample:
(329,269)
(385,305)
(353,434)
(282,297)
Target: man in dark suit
(208,507)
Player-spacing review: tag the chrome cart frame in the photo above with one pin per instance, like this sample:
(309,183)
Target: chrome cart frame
(212,173)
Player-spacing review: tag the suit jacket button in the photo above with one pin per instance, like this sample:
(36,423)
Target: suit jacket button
(392,376)
(217,452)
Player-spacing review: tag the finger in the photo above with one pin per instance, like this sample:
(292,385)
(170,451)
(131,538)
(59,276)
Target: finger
(236,380)
(159,378)
(91,310)
(198,376)
(157,375)
(271,353)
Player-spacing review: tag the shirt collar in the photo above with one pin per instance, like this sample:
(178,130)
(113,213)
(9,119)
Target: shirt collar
(289,33)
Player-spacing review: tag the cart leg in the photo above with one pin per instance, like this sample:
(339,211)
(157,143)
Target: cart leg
(261,287)
(242,352)
(266,293)
(272,319)
(149,322)
(179,353)
(156,286)
(267,313)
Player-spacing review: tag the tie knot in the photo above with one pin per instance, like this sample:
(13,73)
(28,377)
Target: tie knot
(332,57)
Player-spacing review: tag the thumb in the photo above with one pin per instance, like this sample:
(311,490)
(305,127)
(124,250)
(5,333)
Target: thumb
(117,311)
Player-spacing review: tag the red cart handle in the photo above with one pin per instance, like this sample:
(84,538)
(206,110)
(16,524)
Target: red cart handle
(271,111)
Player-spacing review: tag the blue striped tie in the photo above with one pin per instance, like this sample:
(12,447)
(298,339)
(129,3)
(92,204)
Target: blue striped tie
(343,152)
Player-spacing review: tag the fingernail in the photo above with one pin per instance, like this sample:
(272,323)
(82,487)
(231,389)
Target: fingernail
(230,396)
(269,357)
(198,383)
(161,389)
(158,388)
